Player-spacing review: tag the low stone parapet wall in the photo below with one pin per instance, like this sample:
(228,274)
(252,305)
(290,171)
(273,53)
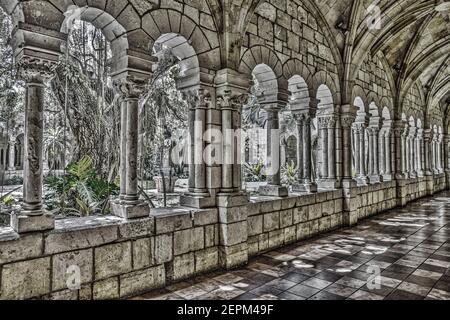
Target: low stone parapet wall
(110,257)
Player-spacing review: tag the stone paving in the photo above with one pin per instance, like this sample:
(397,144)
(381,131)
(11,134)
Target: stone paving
(409,246)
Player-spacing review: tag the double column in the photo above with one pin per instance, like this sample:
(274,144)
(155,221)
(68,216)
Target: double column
(419,153)
(412,159)
(304,119)
(385,153)
(359,134)
(327,134)
(374,163)
(199,102)
(129,205)
(273,159)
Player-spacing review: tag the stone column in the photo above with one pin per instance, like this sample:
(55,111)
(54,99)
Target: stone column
(199,101)
(419,153)
(304,127)
(428,160)
(11,155)
(327,129)
(398,132)
(349,185)
(387,174)
(360,132)
(446,140)
(129,206)
(123,150)
(273,187)
(33,216)
(412,152)
(373,147)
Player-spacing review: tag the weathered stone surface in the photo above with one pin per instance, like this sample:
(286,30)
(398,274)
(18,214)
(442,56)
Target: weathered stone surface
(163,248)
(188,240)
(26,279)
(142,253)
(137,228)
(206,260)
(26,247)
(113,259)
(65,267)
(62,240)
(106,289)
(141,281)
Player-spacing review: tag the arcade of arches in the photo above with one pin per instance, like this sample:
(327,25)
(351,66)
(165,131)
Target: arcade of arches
(376,93)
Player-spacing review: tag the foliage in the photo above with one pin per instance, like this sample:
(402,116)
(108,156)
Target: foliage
(8,201)
(254,172)
(13,181)
(163,114)
(289,174)
(80,192)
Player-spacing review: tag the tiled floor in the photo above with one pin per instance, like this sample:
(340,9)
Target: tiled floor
(410,246)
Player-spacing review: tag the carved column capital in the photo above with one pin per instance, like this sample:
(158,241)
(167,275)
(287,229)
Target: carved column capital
(347,120)
(36,70)
(327,121)
(231,101)
(197,98)
(129,88)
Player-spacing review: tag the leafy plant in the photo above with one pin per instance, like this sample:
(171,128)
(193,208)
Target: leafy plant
(289,174)
(8,201)
(80,191)
(254,172)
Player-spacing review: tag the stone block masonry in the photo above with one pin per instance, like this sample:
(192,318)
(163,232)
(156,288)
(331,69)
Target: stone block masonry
(113,258)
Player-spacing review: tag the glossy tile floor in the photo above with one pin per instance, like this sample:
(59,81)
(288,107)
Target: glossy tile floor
(409,250)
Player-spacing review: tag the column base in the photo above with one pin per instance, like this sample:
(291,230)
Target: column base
(24,223)
(130,211)
(420,174)
(375,179)
(197,201)
(305,188)
(328,185)
(387,177)
(362,181)
(413,175)
(273,191)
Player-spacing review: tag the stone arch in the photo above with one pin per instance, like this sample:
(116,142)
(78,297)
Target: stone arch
(374,99)
(268,84)
(359,95)
(295,67)
(374,113)
(204,40)
(113,31)
(326,99)
(300,93)
(261,55)
(324,78)
(188,58)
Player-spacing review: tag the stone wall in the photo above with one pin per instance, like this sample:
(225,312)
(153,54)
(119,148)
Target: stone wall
(118,258)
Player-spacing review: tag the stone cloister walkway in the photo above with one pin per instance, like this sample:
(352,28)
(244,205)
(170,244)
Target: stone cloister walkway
(410,246)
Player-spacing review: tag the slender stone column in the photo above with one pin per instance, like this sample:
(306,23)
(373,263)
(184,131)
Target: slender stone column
(129,206)
(382,149)
(387,176)
(33,217)
(357,153)
(373,148)
(349,185)
(399,128)
(274,187)
(123,150)
(304,127)
(11,159)
(361,174)
(412,152)
(419,153)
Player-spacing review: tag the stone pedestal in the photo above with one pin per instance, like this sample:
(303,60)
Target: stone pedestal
(24,223)
(273,191)
(351,204)
(197,200)
(125,210)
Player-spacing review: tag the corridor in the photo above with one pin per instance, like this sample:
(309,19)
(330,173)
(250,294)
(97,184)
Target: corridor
(401,254)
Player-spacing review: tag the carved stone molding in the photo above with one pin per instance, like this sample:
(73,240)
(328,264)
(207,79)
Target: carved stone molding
(197,98)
